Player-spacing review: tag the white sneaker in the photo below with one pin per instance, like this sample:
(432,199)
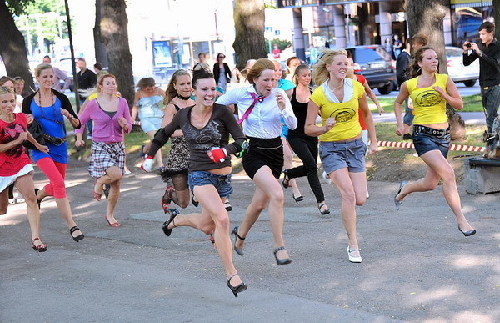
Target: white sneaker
(356,259)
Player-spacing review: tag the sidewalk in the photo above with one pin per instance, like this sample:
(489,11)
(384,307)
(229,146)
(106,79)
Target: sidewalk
(416,265)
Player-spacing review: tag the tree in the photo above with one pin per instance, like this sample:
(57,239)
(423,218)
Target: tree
(12,44)
(496,16)
(249,24)
(100,50)
(426,17)
(113,31)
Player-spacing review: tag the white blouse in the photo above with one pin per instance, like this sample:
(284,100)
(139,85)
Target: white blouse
(266,119)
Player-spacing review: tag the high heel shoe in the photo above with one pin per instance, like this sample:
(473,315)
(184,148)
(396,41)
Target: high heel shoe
(40,248)
(468,232)
(286,181)
(239,251)
(298,198)
(167,199)
(78,237)
(356,259)
(285,261)
(194,201)
(323,211)
(236,289)
(164,227)
(38,201)
(396,201)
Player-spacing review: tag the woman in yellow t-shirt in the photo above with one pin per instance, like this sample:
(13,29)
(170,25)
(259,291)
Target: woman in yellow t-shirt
(341,149)
(430,92)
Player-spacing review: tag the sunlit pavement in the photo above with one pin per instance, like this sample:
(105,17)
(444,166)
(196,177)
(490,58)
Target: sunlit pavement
(416,265)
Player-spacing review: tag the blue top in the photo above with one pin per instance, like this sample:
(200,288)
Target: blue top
(52,122)
(150,107)
(285,85)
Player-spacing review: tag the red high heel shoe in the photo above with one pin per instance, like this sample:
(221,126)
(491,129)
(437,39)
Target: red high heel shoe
(40,247)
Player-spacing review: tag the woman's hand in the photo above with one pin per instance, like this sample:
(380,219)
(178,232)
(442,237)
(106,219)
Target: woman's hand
(65,113)
(123,123)
(400,130)
(439,90)
(79,143)
(29,118)
(44,149)
(373,148)
(22,137)
(379,108)
(329,123)
(281,101)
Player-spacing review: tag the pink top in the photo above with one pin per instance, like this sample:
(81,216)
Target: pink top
(106,128)
(14,159)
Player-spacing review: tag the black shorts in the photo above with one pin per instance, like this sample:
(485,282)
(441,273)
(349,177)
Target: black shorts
(263,152)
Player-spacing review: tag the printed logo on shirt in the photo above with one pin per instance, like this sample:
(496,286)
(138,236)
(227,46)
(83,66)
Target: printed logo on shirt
(428,98)
(343,114)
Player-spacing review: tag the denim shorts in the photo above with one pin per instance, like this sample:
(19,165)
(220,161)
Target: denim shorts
(425,142)
(350,155)
(221,182)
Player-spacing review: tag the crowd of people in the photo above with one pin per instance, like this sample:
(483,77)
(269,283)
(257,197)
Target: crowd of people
(269,118)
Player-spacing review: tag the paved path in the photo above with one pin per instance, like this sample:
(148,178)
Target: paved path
(416,265)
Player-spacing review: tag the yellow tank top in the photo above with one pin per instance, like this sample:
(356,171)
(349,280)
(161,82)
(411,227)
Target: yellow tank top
(428,105)
(345,113)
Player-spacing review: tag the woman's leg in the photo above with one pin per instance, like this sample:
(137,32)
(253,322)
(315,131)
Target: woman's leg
(158,156)
(212,206)
(181,195)
(342,179)
(287,164)
(25,186)
(56,172)
(113,177)
(4,201)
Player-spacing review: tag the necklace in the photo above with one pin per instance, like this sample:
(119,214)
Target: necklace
(183,98)
(52,101)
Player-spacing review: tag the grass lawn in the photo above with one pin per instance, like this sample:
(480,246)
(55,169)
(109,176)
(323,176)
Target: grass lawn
(472,103)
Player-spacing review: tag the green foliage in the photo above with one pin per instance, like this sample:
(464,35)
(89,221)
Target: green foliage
(18,7)
(282,44)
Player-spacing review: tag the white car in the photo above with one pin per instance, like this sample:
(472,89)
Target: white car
(458,72)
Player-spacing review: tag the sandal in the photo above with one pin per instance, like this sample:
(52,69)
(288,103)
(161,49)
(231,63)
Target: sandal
(38,247)
(396,201)
(239,251)
(285,261)
(297,198)
(286,181)
(167,199)
(78,237)
(323,211)
(114,225)
(164,227)
(236,289)
(228,206)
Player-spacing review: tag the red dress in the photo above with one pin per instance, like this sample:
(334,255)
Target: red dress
(14,159)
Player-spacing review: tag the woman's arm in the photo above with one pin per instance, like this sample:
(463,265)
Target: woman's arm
(398,108)
(67,110)
(373,97)
(310,127)
(370,125)
(161,137)
(18,141)
(134,106)
(44,149)
(451,95)
(168,116)
(235,131)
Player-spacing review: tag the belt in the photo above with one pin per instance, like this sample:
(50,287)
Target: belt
(429,131)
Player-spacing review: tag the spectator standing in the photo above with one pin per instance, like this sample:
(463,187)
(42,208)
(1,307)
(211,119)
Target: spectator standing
(276,51)
(86,80)
(488,53)
(222,73)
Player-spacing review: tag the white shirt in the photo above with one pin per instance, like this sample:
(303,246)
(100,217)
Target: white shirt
(265,120)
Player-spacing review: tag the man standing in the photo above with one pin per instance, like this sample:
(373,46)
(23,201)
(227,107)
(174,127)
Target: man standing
(488,53)
(86,78)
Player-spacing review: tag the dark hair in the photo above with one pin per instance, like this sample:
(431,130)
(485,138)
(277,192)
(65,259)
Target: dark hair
(98,66)
(489,26)
(201,74)
(417,58)
(419,38)
(146,82)
(171,92)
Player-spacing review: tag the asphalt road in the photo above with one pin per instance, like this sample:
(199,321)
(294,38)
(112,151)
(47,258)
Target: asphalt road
(416,265)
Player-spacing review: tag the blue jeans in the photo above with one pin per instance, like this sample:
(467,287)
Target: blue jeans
(221,182)
(491,103)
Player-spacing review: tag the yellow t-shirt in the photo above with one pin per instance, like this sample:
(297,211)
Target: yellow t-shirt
(428,105)
(345,113)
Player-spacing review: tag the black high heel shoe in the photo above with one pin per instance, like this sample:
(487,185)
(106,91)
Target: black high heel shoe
(194,201)
(285,261)
(286,181)
(236,289)
(78,237)
(239,251)
(164,227)
(38,202)
(323,211)
(298,198)
(467,233)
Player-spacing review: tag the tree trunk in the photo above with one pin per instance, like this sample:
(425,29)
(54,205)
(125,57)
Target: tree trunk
(13,49)
(426,17)
(496,16)
(249,24)
(100,50)
(113,30)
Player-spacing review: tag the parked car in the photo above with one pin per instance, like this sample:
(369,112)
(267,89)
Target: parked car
(375,64)
(457,71)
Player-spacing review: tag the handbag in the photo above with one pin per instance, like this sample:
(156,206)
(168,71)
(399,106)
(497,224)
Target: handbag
(36,131)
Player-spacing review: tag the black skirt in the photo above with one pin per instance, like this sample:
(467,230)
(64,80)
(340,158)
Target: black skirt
(263,152)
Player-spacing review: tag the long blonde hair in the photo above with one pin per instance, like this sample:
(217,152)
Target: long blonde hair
(320,73)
